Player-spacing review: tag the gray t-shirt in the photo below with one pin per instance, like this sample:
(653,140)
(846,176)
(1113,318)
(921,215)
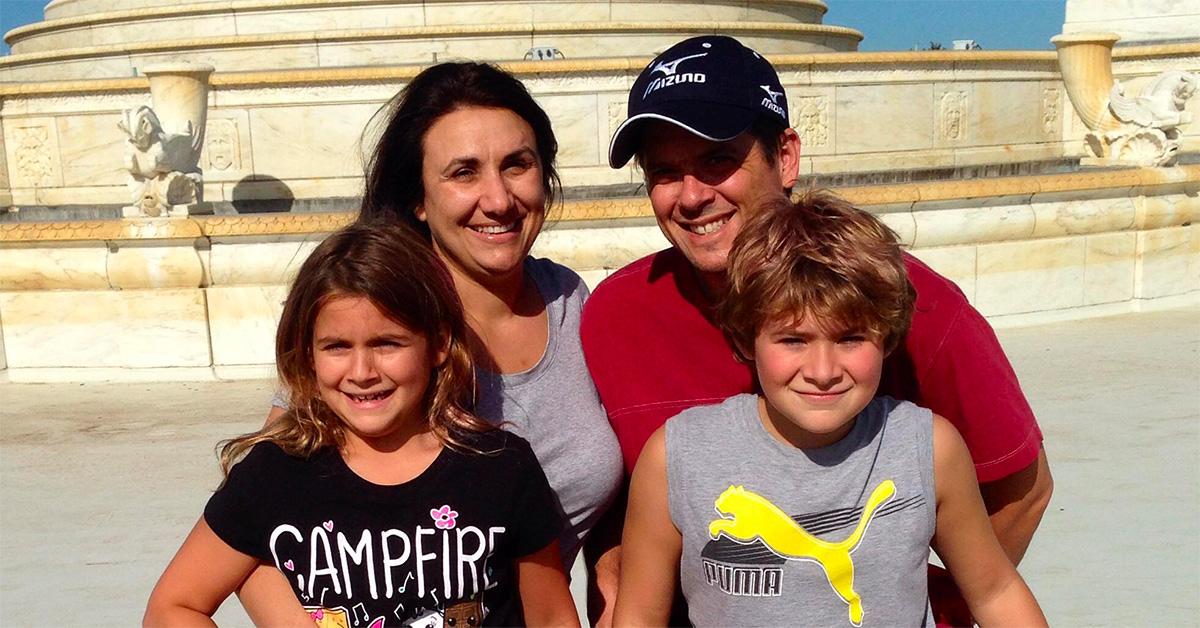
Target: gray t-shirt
(555,407)
(779,536)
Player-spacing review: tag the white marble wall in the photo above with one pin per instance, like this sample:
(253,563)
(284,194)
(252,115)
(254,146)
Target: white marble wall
(303,139)
(66,149)
(1141,21)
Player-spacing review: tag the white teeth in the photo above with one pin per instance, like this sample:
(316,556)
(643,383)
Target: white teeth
(494,229)
(707,228)
(365,398)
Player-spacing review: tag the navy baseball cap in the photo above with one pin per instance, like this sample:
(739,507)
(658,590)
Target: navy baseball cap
(711,86)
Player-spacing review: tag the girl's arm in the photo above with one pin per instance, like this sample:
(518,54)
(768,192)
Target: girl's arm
(966,543)
(269,599)
(650,545)
(545,596)
(203,573)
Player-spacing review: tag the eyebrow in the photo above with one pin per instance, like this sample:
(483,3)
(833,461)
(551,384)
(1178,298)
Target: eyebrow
(469,160)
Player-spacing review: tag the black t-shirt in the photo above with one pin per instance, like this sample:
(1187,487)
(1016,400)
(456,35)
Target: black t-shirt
(439,548)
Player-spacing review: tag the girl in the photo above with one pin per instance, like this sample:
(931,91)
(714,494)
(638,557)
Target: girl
(377,495)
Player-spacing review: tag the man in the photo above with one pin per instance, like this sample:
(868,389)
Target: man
(708,125)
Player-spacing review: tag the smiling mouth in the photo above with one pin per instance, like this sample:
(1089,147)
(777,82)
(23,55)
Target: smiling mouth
(822,396)
(371,397)
(708,227)
(496,229)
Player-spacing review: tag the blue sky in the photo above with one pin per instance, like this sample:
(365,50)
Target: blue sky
(887,24)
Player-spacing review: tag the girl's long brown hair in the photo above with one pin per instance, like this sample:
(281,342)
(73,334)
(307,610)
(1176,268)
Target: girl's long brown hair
(397,270)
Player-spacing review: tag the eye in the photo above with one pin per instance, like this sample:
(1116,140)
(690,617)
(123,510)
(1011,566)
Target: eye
(519,166)
(852,339)
(335,346)
(463,174)
(658,176)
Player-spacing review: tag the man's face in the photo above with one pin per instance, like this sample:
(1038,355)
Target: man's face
(701,190)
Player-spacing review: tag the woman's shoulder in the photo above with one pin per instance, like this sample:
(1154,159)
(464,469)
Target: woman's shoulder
(548,273)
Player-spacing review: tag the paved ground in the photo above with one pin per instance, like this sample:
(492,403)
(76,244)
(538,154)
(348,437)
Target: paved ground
(99,483)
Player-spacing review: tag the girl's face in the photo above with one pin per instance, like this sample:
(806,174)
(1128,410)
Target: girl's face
(372,371)
(815,380)
(484,199)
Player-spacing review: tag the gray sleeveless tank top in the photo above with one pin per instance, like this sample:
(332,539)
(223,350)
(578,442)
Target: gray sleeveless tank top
(779,536)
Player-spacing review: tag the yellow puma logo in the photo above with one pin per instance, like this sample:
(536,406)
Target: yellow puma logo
(747,516)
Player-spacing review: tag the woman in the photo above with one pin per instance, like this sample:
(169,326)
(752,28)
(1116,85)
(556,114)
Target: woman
(467,160)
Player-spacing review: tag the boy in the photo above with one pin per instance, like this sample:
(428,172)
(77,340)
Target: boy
(825,497)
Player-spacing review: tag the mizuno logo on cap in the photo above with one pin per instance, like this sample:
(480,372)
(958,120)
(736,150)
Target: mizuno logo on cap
(670,76)
(669,69)
(774,95)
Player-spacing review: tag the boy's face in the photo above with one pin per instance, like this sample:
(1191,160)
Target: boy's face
(815,381)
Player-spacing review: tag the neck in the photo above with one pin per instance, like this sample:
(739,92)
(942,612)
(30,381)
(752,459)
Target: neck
(495,297)
(393,459)
(788,433)
(712,283)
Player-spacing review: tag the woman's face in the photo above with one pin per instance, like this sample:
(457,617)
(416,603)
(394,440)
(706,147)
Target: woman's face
(484,200)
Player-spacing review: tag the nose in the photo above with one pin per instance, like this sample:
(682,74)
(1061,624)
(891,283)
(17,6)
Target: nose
(362,369)
(822,369)
(694,194)
(495,194)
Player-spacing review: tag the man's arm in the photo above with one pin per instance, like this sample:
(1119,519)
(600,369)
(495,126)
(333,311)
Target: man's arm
(1015,505)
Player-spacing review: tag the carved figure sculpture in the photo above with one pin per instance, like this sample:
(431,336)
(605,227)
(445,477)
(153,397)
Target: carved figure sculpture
(162,166)
(1148,131)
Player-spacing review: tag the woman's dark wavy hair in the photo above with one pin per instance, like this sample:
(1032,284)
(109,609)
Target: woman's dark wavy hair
(400,274)
(394,187)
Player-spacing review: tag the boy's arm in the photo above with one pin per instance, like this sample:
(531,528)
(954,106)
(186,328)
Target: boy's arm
(650,544)
(203,573)
(545,596)
(269,599)
(966,544)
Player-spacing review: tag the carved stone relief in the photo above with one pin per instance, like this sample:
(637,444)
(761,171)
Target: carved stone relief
(35,163)
(617,111)
(224,148)
(953,118)
(810,118)
(1051,98)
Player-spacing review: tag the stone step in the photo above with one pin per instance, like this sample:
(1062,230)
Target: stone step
(83,23)
(412,45)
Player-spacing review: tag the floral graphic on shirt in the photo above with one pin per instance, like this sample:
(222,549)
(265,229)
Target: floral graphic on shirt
(340,618)
(443,518)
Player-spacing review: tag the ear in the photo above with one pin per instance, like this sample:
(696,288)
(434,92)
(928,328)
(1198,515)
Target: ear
(788,158)
(442,354)
(741,352)
(419,212)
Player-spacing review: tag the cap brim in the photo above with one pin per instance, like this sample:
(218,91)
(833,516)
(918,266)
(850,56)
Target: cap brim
(711,121)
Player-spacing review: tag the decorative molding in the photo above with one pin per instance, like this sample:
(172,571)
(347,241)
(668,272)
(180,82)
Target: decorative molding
(952,120)
(273,224)
(1051,99)
(126,229)
(811,120)
(604,209)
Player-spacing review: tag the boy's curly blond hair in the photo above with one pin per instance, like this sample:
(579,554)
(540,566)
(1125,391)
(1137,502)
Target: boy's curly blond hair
(818,257)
